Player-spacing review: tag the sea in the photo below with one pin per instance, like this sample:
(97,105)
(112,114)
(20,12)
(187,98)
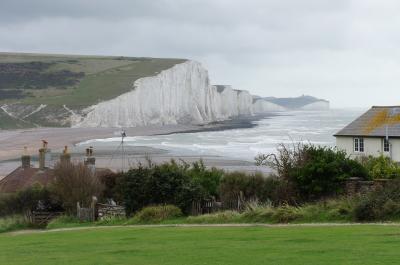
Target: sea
(316,127)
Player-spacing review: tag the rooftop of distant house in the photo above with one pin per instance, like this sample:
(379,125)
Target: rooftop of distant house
(26,175)
(378,121)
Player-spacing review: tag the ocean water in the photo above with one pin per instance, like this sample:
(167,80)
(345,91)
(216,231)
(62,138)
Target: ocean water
(315,127)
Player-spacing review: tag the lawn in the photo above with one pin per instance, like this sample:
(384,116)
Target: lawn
(359,244)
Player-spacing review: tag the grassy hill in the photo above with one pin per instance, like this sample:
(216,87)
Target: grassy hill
(29,80)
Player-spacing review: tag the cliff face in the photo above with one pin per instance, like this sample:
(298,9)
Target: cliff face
(262,106)
(136,92)
(318,105)
(181,94)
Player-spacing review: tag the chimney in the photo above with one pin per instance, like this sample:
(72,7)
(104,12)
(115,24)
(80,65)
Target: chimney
(44,156)
(65,157)
(26,159)
(90,160)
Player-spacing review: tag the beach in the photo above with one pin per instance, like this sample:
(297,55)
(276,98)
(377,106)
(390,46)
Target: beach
(12,145)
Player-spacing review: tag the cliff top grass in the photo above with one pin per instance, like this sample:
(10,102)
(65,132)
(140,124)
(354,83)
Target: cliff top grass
(72,80)
(356,244)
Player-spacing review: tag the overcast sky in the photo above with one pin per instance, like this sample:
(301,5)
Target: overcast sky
(345,51)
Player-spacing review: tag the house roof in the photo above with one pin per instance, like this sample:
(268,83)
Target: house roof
(22,178)
(378,121)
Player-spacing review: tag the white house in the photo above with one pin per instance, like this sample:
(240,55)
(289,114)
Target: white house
(374,133)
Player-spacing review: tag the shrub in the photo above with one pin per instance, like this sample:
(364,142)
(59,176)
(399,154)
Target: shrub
(380,167)
(235,184)
(255,187)
(75,183)
(153,214)
(109,182)
(207,179)
(168,183)
(258,213)
(33,198)
(314,172)
(380,205)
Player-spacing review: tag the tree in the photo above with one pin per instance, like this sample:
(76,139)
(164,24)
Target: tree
(75,183)
(314,171)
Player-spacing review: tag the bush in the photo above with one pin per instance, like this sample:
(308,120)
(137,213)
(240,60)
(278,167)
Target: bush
(109,182)
(207,179)
(313,172)
(33,198)
(380,205)
(380,167)
(154,214)
(168,183)
(75,183)
(255,187)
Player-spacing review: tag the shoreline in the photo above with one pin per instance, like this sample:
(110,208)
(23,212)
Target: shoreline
(12,144)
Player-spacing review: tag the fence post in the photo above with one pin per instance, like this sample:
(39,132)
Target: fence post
(93,206)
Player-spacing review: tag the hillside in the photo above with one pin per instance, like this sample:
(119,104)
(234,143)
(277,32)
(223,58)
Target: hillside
(44,90)
(72,80)
(302,102)
(38,90)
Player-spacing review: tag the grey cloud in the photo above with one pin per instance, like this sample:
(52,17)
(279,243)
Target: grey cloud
(332,49)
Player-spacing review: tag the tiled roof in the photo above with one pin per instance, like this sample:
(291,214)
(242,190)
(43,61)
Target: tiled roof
(22,178)
(378,121)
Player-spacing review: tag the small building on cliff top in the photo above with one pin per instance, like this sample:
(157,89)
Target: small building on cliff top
(376,132)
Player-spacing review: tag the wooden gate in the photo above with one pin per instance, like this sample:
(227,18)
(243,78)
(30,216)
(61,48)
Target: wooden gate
(42,218)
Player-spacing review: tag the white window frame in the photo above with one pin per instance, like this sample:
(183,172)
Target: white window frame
(386,143)
(358,145)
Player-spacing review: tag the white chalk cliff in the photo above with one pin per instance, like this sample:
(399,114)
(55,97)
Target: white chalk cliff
(261,105)
(318,105)
(181,94)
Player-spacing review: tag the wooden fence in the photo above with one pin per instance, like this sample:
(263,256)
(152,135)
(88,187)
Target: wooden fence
(104,211)
(99,211)
(42,218)
(211,205)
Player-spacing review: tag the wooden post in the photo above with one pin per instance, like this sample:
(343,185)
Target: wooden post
(93,206)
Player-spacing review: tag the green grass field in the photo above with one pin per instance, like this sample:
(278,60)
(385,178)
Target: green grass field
(77,81)
(106,77)
(359,244)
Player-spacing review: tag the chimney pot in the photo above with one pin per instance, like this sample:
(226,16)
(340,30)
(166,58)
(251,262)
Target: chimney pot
(26,159)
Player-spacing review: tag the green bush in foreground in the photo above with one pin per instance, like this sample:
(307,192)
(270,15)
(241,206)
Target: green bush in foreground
(154,214)
(314,172)
(167,183)
(380,205)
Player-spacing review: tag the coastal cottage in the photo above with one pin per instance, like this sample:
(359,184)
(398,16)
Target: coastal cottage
(26,175)
(374,133)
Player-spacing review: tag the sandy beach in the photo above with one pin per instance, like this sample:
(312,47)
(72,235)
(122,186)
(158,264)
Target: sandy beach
(12,144)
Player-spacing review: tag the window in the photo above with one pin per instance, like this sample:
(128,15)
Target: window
(359,145)
(386,145)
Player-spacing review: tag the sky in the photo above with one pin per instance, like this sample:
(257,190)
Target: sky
(345,51)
